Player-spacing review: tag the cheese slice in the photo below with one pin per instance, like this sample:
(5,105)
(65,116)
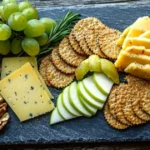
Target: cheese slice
(138,41)
(25,94)
(11,64)
(139,70)
(125,58)
(138,50)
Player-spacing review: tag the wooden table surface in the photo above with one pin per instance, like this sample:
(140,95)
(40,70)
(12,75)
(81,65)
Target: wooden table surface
(102,146)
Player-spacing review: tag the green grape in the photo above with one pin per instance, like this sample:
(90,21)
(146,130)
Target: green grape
(48,24)
(5,2)
(43,39)
(30,13)
(23,5)
(17,21)
(4,47)
(1,12)
(5,32)
(1,22)
(16,47)
(30,46)
(9,9)
(34,28)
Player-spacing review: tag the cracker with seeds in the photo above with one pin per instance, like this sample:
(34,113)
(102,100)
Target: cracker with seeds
(56,78)
(60,64)
(80,29)
(67,53)
(92,42)
(112,120)
(75,45)
(107,43)
(43,67)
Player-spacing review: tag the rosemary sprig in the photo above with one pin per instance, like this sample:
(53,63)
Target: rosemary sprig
(62,29)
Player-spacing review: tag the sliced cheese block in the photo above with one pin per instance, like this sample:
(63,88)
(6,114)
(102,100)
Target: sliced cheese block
(138,50)
(11,64)
(139,70)
(25,94)
(125,58)
(123,36)
(137,42)
(141,25)
(146,34)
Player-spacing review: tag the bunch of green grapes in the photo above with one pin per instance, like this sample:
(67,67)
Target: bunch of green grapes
(21,30)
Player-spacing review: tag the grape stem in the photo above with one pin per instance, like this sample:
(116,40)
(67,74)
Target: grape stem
(62,29)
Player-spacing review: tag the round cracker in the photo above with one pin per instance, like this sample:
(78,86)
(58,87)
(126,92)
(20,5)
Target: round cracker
(60,64)
(137,108)
(129,96)
(92,42)
(68,54)
(56,78)
(80,29)
(112,120)
(107,43)
(75,45)
(43,68)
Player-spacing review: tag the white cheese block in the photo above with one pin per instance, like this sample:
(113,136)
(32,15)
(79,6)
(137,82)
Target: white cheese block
(25,94)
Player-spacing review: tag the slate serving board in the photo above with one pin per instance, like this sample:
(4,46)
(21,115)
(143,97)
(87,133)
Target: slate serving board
(95,129)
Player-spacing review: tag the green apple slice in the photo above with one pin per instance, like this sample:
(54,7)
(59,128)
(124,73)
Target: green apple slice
(67,104)
(110,70)
(62,111)
(75,101)
(82,69)
(89,107)
(55,117)
(92,89)
(103,83)
(83,93)
(94,63)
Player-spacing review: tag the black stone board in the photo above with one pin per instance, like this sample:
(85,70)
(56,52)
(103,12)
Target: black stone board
(95,129)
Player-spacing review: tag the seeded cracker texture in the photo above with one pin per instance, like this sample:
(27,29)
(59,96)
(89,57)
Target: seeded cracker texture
(111,119)
(75,45)
(107,43)
(57,78)
(81,28)
(60,64)
(68,54)
(43,68)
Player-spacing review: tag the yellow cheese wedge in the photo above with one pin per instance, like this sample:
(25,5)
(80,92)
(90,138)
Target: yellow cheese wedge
(141,25)
(139,70)
(137,41)
(123,36)
(25,94)
(145,34)
(13,63)
(125,58)
(138,50)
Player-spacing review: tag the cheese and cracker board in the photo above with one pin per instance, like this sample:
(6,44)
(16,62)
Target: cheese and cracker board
(80,79)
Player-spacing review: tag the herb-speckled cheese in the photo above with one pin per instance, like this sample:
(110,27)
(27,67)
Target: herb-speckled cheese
(25,94)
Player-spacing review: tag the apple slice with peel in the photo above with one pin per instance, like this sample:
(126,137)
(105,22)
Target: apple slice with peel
(62,111)
(82,69)
(94,63)
(76,102)
(109,69)
(89,107)
(103,83)
(55,117)
(93,90)
(83,93)
(67,104)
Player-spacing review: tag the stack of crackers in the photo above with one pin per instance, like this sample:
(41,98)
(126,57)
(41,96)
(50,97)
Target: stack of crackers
(128,104)
(89,36)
